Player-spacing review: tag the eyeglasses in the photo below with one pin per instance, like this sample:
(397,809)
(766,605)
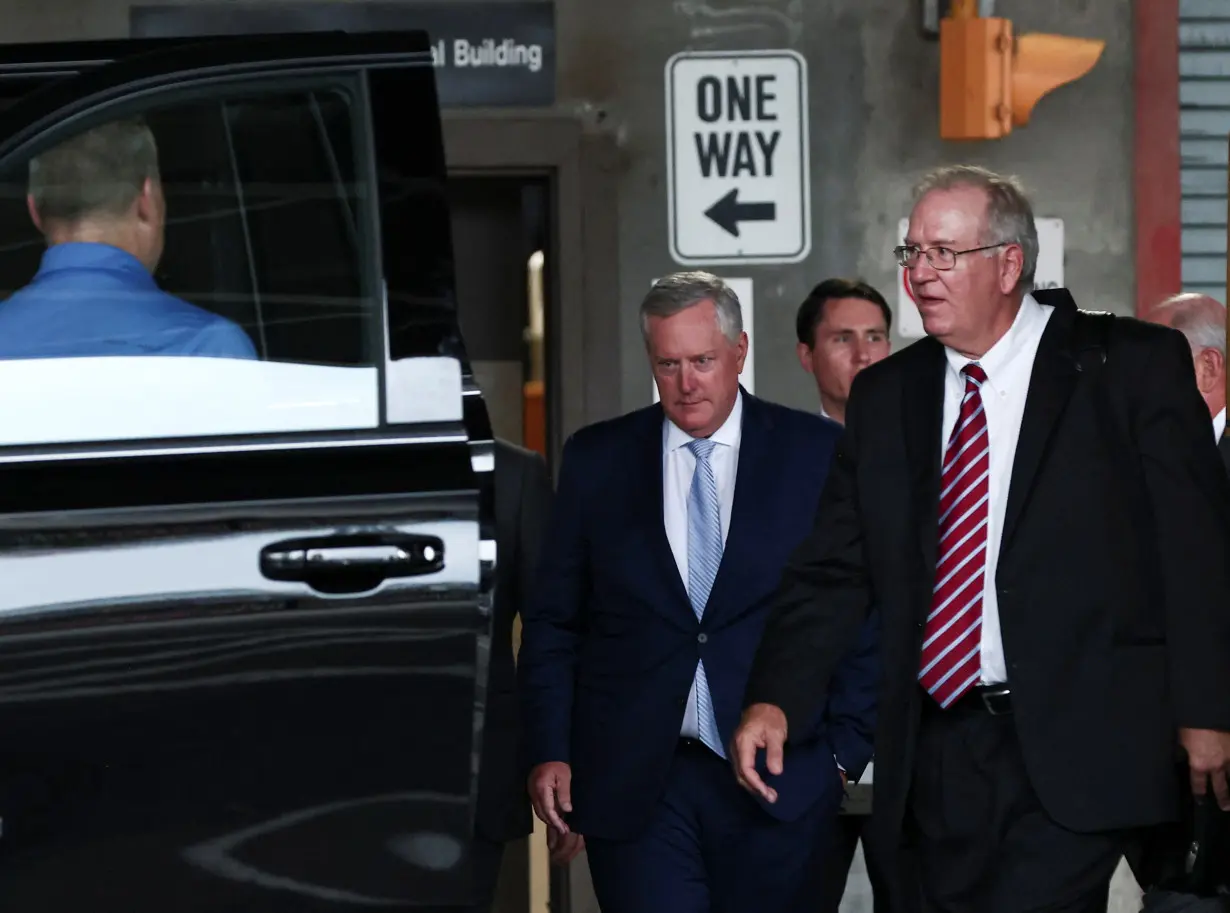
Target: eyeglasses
(939,257)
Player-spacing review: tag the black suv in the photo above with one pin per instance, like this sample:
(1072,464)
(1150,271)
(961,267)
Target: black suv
(244,604)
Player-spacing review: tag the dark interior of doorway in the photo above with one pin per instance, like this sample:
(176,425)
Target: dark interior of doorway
(504,264)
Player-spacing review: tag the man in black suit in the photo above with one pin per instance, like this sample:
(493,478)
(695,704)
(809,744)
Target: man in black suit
(522,504)
(1031,500)
(1203,321)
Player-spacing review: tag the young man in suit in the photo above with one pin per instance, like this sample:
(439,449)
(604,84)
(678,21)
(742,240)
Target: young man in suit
(1031,497)
(842,327)
(670,529)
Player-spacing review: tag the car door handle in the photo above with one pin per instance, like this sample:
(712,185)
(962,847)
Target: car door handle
(352,563)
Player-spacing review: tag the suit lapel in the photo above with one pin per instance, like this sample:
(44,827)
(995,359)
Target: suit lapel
(923,407)
(650,472)
(747,515)
(1224,446)
(1050,387)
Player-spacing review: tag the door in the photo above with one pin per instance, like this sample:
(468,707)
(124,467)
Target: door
(246,591)
(503,250)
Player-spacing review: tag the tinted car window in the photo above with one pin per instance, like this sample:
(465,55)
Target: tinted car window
(264,231)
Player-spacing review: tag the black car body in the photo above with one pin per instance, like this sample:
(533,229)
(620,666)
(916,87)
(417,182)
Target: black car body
(246,604)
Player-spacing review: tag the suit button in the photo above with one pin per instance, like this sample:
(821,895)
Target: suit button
(702,638)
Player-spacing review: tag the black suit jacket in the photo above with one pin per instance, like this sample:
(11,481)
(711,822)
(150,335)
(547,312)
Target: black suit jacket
(1113,588)
(522,503)
(1160,860)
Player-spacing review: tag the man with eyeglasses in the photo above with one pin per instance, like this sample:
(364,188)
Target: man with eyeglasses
(1032,502)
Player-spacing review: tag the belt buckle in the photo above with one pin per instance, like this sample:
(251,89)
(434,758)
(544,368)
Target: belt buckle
(997,701)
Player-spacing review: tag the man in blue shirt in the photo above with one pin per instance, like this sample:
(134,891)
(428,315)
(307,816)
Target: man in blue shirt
(97,199)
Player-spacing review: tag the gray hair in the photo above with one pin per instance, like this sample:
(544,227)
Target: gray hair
(1198,317)
(1010,217)
(680,291)
(97,173)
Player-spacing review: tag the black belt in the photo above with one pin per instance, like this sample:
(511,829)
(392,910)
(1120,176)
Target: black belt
(993,699)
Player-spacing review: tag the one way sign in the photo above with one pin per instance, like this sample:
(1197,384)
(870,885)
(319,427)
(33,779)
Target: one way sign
(737,157)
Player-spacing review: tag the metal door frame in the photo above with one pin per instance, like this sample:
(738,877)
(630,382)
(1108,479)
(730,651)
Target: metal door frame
(582,321)
(583,282)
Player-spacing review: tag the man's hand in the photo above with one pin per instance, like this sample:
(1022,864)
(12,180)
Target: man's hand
(563,847)
(763,726)
(550,789)
(1208,757)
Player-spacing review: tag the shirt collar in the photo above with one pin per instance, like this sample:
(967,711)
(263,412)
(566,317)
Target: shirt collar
(1030,318)
(75,255)
(729,434)
(1219,424)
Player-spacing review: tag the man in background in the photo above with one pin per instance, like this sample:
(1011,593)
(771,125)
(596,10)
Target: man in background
(1202,320)
(842,328)
(1161,863)
(97,199)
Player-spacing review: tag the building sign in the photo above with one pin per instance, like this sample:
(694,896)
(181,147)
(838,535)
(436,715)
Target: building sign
(487,54)
(738,183)
(1049,274)
(743,291)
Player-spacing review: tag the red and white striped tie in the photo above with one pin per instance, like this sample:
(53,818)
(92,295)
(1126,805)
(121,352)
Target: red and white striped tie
(951,656)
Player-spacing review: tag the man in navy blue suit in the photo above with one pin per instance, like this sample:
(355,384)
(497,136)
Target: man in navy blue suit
(670,530)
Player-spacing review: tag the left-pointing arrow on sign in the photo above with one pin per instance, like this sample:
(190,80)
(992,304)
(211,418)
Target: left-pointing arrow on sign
(728,212)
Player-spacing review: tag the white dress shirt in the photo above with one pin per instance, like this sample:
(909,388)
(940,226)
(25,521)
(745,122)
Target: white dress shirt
(1009,364)
(678,467)
(1219,424)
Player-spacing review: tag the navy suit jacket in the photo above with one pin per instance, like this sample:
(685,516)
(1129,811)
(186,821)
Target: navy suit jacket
(610,642)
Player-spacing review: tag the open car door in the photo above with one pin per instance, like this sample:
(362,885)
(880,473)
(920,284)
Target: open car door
(245,600)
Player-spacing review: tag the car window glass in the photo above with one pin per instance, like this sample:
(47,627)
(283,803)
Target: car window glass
(224,293)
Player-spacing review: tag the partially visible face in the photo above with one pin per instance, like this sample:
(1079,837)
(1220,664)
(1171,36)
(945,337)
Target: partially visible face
(695,367)
(959,305)
(852,335)
(1210,375)
(1209,363)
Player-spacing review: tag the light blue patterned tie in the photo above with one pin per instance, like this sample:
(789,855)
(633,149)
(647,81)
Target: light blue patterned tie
(704,557)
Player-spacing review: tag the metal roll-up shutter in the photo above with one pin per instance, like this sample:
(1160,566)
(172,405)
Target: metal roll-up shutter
(1204,131)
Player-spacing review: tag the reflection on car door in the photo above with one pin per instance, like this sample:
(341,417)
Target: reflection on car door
(245,601)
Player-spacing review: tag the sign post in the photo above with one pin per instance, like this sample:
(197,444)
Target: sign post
(738,182)
(1049,274)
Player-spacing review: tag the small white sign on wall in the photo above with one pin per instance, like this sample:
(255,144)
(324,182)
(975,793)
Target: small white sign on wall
(743,289)
(1049,274)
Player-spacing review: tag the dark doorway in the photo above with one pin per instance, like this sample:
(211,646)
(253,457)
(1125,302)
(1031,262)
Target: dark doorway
(503,259)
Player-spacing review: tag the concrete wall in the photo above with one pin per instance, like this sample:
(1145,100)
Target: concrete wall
(874,130)
(874,127)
